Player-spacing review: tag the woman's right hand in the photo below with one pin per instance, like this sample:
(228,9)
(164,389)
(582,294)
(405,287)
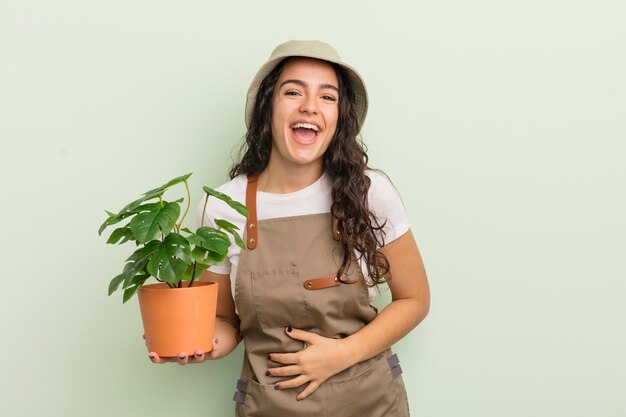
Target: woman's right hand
(182,358)
(224,343)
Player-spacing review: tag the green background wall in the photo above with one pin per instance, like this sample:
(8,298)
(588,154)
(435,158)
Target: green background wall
(500,122)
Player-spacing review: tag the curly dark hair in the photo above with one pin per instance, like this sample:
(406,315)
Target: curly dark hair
(345,162)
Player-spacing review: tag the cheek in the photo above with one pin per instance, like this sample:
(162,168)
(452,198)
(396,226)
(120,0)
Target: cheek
(280,114)
(331,120)
(277,122)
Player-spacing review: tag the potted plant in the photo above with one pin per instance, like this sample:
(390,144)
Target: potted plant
(178,312)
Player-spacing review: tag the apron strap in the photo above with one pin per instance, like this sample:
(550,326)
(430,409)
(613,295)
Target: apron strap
(321,283)
(251,226)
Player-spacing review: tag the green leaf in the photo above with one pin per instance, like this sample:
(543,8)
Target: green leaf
(240,208)
(138,261)
(161,190)
(137,282)
(128,210)
(176,180)
(171,260)
(113,219)
(154,220)
(154,193)
(211,239)
(200,268)
(145,251)
(208,257)
(186,230)
(123,233)
(115,283)
(226,225)
(232,229)
(149,195)
(198,254)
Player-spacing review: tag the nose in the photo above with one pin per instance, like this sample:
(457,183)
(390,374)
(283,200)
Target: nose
(309,105)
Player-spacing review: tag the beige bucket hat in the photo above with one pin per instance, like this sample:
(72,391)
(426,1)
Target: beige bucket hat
(309,49)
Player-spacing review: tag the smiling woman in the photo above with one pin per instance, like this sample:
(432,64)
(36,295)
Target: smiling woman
(304,118)
(324,230)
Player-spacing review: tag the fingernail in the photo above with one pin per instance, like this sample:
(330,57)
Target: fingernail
(289,329)
(216,341)
(152,356)
(276,386)
(269,356)
(181,356)
(268,373)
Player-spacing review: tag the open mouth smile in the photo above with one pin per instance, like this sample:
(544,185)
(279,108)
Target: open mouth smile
(305,133)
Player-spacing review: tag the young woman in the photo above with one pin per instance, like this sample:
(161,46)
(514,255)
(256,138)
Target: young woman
(323,232)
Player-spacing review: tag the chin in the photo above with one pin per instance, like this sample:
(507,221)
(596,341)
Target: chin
(304,160)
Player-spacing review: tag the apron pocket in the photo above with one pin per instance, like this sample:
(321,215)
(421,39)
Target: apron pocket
(372,392)
(264,401)
(278,297)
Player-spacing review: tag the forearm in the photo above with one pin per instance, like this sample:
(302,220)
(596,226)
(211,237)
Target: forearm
(226,338)
(411,301)
(393,323)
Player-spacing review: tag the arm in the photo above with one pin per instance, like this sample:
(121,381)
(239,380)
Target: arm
(226,325)
(410,301)
(325,357)
(227,320)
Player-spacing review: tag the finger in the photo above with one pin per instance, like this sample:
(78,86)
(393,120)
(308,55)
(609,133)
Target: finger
(301,335)
(284,358)
(155,358)
(284,371)
(292,383)
(198,356)
(310,389)
(183,359)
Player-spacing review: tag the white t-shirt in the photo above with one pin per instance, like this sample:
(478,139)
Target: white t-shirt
(383,199)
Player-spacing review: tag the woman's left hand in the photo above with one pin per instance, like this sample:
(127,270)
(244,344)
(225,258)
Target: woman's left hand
(322,358)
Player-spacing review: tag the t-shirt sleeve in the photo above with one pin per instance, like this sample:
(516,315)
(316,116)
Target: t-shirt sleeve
(387,206)
(224,267)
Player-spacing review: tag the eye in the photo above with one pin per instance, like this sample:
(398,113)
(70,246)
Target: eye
(291,93)
(329,98)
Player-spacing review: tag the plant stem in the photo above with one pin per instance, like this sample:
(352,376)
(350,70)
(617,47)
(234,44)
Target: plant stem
(170,285)
(187,209)
(206,200)
(193,274)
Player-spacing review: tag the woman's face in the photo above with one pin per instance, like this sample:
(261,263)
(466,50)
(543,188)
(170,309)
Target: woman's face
(305,108)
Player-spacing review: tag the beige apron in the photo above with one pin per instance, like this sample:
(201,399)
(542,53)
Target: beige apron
(286,277)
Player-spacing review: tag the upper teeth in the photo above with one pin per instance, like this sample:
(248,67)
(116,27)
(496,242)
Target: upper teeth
(305,126)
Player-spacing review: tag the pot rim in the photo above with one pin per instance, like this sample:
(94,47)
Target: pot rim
(161,286)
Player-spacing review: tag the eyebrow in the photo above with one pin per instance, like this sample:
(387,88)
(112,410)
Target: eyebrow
(303,84)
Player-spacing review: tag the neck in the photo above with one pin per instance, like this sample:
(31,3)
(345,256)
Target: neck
(279,178)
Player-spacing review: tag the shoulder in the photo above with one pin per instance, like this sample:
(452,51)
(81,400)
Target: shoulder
(386,204)
(379,180)
(381,188)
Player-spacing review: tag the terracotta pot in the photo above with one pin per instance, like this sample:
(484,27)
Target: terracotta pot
(178,319)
